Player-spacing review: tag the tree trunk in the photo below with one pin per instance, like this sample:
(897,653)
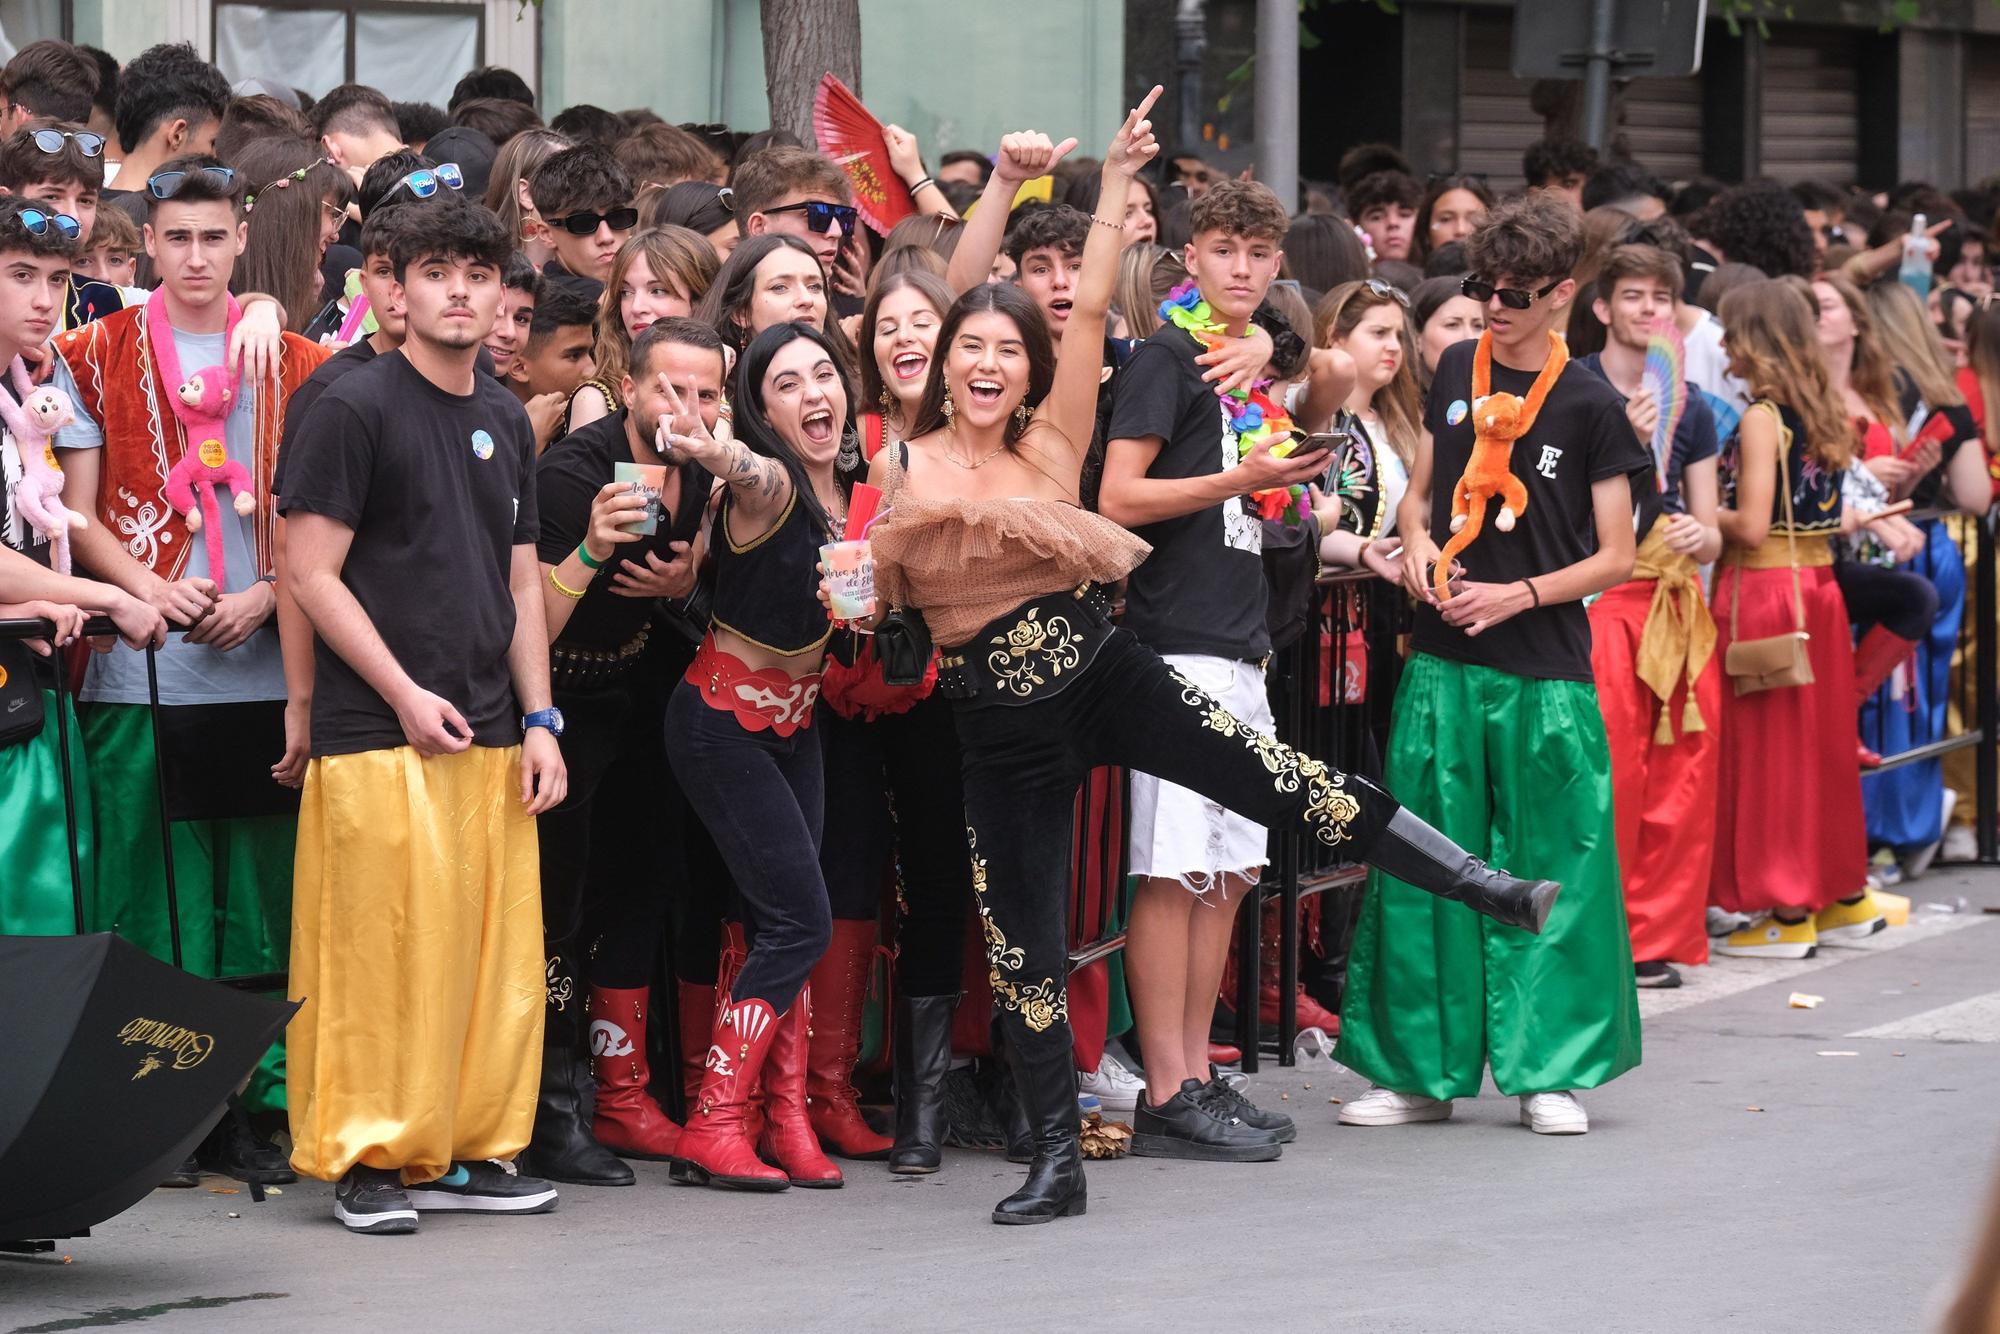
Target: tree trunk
(804,40)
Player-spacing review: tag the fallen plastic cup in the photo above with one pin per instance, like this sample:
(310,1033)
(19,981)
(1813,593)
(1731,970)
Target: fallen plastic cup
(850,579)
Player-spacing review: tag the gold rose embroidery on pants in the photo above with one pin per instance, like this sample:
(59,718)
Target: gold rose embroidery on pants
(1033,646)
(1040,1004)
(559,986)
(1330,807)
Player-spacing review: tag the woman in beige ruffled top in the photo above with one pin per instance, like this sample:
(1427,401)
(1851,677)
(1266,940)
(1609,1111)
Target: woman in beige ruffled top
(983,534)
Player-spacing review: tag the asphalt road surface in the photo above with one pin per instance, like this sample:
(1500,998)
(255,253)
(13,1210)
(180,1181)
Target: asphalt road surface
(1768,1168)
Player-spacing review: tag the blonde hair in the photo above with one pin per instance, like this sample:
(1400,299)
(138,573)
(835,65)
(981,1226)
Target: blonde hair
(1146,273)
(1398,402)
(1771,327)
(1870,375)
(675,255)
(1912,343)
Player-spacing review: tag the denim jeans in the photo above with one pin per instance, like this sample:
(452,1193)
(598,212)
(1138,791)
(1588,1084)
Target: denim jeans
(1022,767)
(893,788)
(762,797)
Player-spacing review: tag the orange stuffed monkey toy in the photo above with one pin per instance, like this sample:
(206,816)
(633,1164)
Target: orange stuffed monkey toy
(1498,420)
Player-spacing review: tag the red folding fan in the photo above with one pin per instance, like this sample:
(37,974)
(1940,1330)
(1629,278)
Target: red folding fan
(853,138)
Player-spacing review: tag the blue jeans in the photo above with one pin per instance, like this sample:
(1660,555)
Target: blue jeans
(763,798)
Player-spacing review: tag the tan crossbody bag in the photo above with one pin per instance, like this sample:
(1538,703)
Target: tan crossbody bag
(1776,660)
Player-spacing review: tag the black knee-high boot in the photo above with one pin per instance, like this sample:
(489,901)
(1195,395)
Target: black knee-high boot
(923,1055)
(1392,838)
(562,1148)
(1045,1080)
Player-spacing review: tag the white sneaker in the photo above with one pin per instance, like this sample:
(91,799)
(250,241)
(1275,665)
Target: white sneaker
(1117,1088)
(1386,1107)
(1960,845)
(1556,1113)
(1920,861)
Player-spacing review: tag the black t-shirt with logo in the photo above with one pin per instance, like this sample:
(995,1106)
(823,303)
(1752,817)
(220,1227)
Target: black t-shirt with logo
(1202,589)
(1579,438)
(567,480)
(438,490)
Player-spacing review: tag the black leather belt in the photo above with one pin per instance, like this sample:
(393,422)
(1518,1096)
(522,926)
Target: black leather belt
(1030,653)
(588,668)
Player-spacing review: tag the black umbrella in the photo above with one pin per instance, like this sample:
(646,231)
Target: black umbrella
(116,1066)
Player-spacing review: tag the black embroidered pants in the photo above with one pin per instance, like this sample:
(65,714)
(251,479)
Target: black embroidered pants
(1023,763)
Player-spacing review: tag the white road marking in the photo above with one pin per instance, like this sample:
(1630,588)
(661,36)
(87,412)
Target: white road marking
(1725,976)
(1974,1020)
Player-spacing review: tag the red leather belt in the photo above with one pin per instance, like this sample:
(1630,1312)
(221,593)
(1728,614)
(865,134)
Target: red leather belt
(760,697)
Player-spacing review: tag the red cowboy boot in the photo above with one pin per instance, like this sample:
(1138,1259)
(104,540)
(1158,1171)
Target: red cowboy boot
(713,1150)
(788,1139)
(1221,1053)
(628,1121)
(1876,658)
(697,1020)
(1311,1014)
(839,983)
(734,952)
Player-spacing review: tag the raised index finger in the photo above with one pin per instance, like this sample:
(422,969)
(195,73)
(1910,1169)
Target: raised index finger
(1145,105)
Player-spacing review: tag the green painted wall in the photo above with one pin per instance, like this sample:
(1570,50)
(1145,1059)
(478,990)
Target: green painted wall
(958,74)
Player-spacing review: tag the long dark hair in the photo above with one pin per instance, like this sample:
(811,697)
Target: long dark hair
(1002,299)
(933,290)
(281,255)
(753,425)
(726,306)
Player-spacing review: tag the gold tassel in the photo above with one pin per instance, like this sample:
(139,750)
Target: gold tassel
(1663,731)
(1691,719)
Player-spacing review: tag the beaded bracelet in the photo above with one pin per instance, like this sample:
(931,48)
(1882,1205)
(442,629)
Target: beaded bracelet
(1106,222)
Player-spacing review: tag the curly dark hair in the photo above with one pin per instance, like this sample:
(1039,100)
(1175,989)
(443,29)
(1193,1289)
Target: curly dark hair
(1552,159)
(1760,223)
(1383,188)
(1533,238)
(1055,227)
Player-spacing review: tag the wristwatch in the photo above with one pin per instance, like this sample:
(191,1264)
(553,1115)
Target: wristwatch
(550,718)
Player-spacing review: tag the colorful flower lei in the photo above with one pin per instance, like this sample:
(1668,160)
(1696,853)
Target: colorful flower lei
(1253,415)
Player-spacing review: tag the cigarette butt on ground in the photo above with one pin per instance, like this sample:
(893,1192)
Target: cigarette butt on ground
(1804,1001)
(1839,1053)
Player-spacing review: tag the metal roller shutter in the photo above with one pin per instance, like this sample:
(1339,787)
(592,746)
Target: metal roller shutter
(1660,118)
(1982,108)
(1810,108)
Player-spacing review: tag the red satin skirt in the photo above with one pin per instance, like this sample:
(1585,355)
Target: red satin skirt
(1789,830)
(1662,796)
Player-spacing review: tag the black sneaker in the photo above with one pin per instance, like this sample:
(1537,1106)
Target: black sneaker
(1196,1126)
(1249,1112)
(184,1177)
(1655,973)
(483,1188)
(235,1149)
(372,1200)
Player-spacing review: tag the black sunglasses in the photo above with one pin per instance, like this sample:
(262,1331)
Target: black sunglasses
(583,224)
(1514,298)
(51,141)
(167,184)
(821,215)
(38,223)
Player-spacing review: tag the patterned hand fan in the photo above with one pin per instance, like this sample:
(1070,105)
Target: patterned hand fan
(852,137)
(1666,376)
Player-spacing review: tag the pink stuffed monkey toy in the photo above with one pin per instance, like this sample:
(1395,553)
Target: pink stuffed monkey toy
(206,399)
(38,496)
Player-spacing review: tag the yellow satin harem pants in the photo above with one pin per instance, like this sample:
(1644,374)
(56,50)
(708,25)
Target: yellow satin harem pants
(417,951)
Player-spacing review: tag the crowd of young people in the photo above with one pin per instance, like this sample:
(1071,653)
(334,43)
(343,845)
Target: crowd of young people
(499,704)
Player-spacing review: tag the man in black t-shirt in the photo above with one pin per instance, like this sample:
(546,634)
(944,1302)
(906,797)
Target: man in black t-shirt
(1172,474)
(1496,736)
(604,583)
(416,940)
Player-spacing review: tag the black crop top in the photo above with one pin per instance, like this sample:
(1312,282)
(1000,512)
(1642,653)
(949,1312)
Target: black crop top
(1816,496)
(767,591)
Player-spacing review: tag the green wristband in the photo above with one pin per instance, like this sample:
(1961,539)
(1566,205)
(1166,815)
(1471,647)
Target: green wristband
(589,563)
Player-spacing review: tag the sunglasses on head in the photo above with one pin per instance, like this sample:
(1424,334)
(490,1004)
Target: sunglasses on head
(1389,292)
(38,223)
(425,182)
(1514,298)
(51,141)
(583,224)
(821,215)
(167,184)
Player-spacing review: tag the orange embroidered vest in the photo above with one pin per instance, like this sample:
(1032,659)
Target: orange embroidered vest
(118,385)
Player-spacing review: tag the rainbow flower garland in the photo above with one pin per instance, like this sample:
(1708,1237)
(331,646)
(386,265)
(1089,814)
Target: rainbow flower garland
(1253,415)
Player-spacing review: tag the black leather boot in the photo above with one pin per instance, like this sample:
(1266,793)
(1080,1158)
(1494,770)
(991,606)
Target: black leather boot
(923,1055)
(562,1148)
(1045,1079)
(1393,839)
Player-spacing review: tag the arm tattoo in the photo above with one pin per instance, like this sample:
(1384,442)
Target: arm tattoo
(755,475)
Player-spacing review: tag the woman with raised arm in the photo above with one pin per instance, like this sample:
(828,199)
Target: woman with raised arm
(739,741)
(984,535)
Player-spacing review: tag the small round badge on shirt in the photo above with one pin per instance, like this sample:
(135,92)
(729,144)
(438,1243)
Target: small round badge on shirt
(1455,414)
(482,444)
